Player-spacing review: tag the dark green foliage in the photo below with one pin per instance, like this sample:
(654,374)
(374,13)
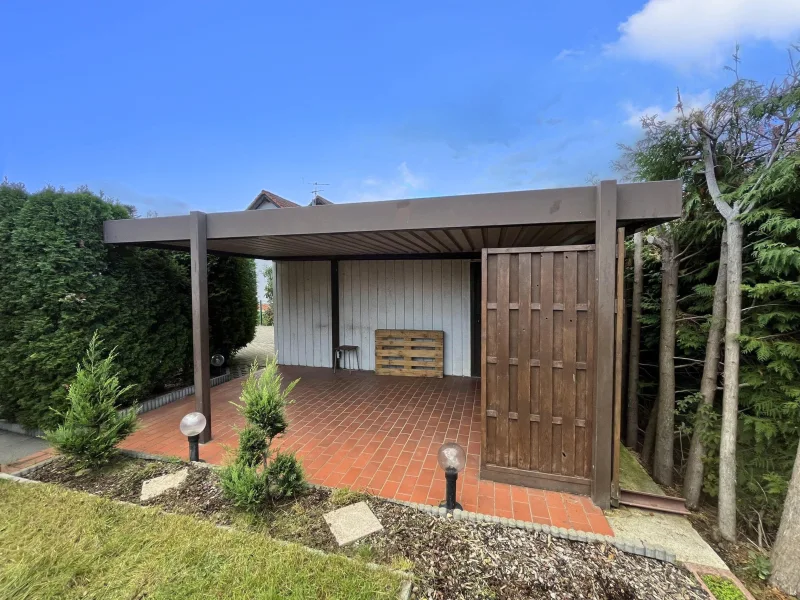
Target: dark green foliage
(244,485)
(252,446)
(232,316)
(285,476)
(232,301)
(60,283)
(769,397)
(91,427)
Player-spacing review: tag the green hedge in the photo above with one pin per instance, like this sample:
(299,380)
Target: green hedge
(60,283)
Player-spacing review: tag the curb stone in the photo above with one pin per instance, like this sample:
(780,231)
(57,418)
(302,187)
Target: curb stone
(627,546)
(17,479)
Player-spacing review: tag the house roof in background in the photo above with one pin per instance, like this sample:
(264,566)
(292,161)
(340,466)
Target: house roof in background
(320,201)
(268,197)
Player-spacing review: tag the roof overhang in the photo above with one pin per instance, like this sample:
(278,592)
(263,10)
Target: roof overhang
(444,225)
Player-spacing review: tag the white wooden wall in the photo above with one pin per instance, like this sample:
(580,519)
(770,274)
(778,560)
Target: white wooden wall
(303,313)
(406,294)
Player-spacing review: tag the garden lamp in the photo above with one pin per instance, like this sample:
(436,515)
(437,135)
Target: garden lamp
(452,459)
(191,426)
(217,361)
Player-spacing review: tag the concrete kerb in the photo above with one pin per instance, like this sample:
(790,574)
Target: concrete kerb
(407,580)
(627,546)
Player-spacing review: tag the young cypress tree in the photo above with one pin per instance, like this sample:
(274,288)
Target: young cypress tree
(91,427)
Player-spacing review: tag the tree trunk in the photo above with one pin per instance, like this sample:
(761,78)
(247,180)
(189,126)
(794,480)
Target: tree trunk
(665,431)
(693,480)
(786,551)
(650,435)
(632,433)
(730,392)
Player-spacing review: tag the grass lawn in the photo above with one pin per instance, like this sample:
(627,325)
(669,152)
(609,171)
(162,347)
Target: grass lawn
(57,543)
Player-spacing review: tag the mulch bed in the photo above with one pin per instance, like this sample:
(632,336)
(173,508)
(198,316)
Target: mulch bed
(450,559)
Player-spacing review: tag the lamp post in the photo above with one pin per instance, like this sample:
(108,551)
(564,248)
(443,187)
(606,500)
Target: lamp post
(452,459)
(191,426)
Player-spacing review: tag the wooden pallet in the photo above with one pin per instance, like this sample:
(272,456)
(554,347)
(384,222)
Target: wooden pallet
(409,352)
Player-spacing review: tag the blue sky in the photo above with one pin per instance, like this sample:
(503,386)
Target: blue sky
(173,106)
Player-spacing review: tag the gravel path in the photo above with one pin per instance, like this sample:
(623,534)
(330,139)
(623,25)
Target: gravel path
(262,347)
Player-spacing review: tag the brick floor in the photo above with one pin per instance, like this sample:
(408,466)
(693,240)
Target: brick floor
(380,434)
(27,461)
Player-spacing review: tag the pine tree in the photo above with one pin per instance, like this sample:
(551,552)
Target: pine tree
(91,427)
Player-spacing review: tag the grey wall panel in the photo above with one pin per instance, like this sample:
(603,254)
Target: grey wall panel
(406,294)
(303,313)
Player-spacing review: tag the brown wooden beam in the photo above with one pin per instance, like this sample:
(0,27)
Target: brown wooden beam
(605,231)
(618,331)
(654,200)
(200,336)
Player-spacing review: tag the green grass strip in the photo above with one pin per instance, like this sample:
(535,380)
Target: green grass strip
(722,588)
(56,543)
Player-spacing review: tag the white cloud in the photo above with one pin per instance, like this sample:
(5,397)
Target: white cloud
(634,114)
(703,33)
(402,185)
(568,53)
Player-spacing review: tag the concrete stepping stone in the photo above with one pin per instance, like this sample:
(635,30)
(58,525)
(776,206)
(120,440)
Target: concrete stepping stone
(158,485)
(352,523)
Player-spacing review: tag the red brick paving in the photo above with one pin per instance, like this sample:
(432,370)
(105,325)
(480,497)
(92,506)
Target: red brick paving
(27,461)
(380,434)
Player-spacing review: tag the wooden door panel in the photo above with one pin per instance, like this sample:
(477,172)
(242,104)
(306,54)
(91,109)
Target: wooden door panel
(537,361)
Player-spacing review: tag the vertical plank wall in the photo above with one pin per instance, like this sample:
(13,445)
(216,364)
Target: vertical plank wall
(303,313)
(406,294)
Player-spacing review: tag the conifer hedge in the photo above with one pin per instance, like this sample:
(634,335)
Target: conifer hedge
(59,283)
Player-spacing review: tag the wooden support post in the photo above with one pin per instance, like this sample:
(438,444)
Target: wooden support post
(605,243)
(618,357)
(334,310)
(200,337)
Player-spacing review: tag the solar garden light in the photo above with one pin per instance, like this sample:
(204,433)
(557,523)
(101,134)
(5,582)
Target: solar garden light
(191,426)
(217,361)
(452,459)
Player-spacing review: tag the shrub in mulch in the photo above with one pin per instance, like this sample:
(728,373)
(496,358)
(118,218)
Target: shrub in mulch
(450,559)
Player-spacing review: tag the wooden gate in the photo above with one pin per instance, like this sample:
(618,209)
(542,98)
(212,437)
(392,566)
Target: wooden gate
(537,392)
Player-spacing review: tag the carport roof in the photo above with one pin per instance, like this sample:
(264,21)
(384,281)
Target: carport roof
(451,225)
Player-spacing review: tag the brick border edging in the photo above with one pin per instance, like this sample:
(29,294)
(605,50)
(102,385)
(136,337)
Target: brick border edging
(699,570)
(572,535)
(146,406)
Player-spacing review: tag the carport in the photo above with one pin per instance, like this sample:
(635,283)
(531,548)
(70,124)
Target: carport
(541,299)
